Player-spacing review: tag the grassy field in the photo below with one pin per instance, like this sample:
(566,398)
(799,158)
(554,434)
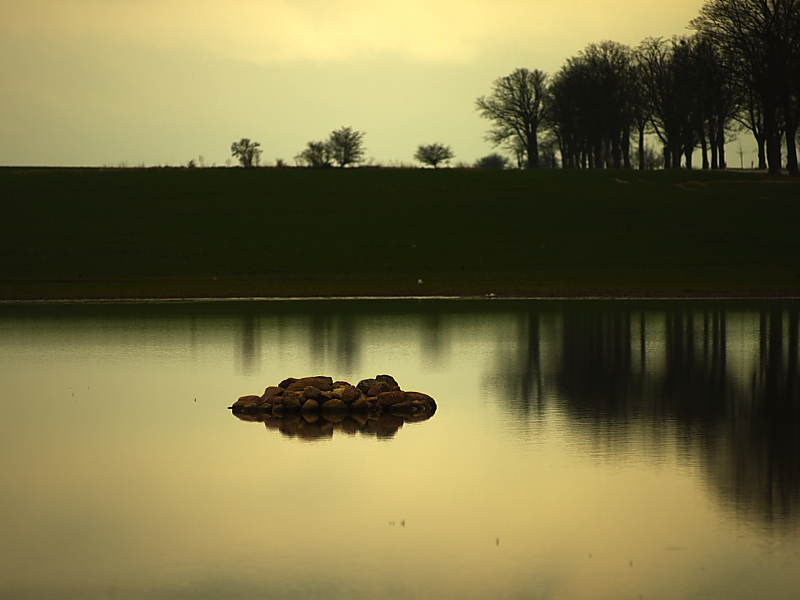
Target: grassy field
(116,233)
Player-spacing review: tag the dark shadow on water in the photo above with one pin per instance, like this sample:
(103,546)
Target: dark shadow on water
(628,370)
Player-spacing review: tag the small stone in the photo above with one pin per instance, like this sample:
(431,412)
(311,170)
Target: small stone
(271,392)
(388,379)
(287,382)
(350,394)
(365,384)
(310,405)
(390,398)
(292,400)
(311,393)
(379,388)
(333,405)
(360,404)
(247,402)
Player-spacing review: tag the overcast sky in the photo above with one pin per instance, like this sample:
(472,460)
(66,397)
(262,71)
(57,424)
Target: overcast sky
(101,82)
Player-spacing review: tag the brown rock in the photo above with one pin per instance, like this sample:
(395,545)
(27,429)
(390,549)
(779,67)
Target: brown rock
(247,402)
(390,398)
(287,382)
(311,393)
(365,384)
(310,405)
(292,400)
(388,379)
(271,392)
(359,404)
(378,388)
(324,384)
(404,407)
(333,406)
(350,394)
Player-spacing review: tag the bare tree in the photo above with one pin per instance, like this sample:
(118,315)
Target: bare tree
(247,152)
(761,42)
(433,154)
(517,107)
(346,146)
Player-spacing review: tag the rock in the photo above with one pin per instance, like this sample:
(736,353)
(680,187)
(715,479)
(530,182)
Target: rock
(271,392)
(350,394)
(379,388)
(310,406)
(313,407)
(360,404)
(324,384)
(247,402)
(334,405)
(292,400)
(388,379)
(311,393)
(365,384)
(385,399)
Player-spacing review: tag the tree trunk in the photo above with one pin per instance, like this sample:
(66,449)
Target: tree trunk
(626,148)
(641,149)
(791,119)
(773,136)
(667,158)
(533,151)
(704,150)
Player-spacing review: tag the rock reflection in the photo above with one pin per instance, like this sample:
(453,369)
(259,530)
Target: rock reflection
(320,427)
(723,381)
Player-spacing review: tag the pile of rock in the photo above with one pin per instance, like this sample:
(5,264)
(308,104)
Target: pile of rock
(324,396)
(314,407)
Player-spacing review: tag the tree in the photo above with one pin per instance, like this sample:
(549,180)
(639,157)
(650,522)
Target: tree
(246,151)
(760,40)
(517,107)
(346,146)
(316,155)
(492,161)
(433,154)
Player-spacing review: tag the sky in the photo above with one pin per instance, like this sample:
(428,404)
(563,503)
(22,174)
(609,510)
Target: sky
(161,82)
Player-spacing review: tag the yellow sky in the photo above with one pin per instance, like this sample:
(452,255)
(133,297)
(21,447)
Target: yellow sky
(160,81)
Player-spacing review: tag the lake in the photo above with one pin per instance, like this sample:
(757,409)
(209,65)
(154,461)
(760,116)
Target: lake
(580,449)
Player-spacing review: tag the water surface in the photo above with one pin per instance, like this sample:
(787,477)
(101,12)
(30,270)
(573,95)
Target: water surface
(579,450)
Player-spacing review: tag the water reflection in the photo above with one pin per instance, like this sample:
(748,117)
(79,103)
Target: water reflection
(723,381)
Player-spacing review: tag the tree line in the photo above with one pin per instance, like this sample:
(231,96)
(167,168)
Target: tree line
(740,69)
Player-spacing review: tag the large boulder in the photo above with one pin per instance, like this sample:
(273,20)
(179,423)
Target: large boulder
(324,384)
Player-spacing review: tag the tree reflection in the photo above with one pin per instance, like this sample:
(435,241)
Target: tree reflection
(615,370)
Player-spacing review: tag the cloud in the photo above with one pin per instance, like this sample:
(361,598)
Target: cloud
(437,31)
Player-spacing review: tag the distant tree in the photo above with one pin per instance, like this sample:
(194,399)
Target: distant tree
(246,151)
(433,154)
(346,146)
(492,161)
(517,107)
(316,155)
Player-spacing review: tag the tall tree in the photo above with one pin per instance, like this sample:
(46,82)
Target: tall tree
(761,39)
(517,108)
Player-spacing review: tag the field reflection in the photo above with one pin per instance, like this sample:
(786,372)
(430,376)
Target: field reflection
(579,449)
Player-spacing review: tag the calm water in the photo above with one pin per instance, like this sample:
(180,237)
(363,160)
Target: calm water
(580,450)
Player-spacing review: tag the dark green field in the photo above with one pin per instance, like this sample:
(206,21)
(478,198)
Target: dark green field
(92,233)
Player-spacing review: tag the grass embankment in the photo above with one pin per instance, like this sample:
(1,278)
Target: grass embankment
(90,233)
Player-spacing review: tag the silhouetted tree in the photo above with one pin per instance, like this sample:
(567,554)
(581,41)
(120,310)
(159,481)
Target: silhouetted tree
(346,146)
(761,42)
(517,108)
(316,155)
(592,106)
(492,161)
(246,151)
(433,154)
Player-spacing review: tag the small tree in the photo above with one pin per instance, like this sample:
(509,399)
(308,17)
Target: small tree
(316,154)
(346,146)
(433,154)
(492,161)
(246,151)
